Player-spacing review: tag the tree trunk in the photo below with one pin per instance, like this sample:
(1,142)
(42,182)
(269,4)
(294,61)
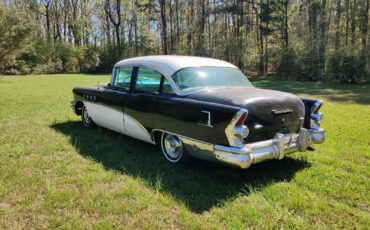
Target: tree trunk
(323,37)
(364,30)
(118,22)
(135,32)
(353,23)
(239,47)
(190,26)
(262,64)
(162,4)
(201,24)
(47,15)
(337,34)
(107,22)
(172,42)
(177,20)
(347,21)
(286,23)
(65,18)
(76,30)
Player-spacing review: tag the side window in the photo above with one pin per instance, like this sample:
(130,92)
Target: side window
(167,87)
(123,77)
(148,79)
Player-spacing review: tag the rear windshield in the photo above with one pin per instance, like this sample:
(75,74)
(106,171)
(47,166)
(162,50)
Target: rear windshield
(195,78)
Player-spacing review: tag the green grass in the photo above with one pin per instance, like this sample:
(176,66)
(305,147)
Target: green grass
(56,174)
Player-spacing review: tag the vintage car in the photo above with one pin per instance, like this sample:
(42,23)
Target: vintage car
(202,108)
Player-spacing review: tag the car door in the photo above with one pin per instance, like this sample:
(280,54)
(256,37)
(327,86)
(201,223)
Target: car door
(140,103)
(112,100)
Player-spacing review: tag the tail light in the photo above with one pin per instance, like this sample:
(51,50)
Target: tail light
(318,107)
(242,118)
(236,131)
(316,117)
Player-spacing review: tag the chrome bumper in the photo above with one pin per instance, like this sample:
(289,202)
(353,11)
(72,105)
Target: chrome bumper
(276,148)
(73,105)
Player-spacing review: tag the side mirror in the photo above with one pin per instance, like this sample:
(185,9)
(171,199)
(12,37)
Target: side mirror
(109,85)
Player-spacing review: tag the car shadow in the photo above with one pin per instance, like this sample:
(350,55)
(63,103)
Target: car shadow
(200,185)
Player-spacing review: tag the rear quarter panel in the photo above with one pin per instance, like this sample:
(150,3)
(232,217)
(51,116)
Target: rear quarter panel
(185,117)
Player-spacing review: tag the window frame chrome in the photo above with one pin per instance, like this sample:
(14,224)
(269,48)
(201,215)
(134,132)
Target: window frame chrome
(114,76)
(169,78)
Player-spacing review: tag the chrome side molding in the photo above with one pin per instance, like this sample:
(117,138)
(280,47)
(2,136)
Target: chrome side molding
(208,121)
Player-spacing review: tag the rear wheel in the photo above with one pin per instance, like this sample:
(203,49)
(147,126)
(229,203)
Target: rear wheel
(86,119)
(173,149)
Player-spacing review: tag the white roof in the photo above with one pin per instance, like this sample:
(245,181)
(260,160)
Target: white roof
(169,64)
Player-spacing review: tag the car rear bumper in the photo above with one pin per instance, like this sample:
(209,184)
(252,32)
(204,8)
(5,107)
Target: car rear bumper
(73,106)
(77,108)
(276,148)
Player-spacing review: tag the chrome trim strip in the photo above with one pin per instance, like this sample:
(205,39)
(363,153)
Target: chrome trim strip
(209,119)
(317,103)
(119,92)
(113,76)
(178,135)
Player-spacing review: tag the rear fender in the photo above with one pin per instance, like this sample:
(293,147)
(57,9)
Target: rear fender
(311,107)
(203,121)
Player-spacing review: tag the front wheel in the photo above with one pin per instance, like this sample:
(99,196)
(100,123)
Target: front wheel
(173,149)
(86,119)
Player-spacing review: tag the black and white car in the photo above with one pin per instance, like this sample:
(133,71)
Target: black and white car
(202,108)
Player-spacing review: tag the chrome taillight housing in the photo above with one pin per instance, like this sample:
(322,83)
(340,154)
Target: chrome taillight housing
(316,117)
(236,131)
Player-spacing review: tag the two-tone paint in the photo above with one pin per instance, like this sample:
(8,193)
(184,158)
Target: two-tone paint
(277,121)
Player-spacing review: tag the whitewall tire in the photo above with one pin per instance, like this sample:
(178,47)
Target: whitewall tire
(86,119)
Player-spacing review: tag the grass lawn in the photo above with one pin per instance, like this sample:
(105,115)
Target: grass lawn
(56,174)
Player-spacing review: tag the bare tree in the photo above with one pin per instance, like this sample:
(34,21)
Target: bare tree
(162,5)
(337,34)
(116,22)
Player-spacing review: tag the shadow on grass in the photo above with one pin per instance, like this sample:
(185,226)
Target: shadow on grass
(340,92)
(200,186)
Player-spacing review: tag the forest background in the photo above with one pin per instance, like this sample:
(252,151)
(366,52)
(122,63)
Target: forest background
(316,40)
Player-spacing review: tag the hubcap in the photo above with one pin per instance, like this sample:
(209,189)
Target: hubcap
(86,116)
(173,146)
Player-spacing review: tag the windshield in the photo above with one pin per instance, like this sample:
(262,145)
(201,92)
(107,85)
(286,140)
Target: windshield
(196,78)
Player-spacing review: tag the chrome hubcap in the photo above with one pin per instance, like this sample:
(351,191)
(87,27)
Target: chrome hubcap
(86,116)
(173,146)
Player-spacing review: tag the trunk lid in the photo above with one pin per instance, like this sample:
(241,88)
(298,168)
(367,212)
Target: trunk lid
(269,111)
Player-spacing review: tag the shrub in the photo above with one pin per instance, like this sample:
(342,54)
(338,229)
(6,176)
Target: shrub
(289,68)
(346,68)
(311,64)
(50,67)
(88,59)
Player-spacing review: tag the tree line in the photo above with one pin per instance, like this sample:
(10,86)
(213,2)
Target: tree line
(296,39)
